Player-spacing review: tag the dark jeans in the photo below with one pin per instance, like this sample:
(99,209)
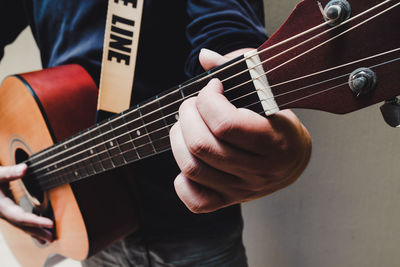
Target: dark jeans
(222,250)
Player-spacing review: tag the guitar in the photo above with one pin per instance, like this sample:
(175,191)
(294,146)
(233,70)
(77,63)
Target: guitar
(339,59)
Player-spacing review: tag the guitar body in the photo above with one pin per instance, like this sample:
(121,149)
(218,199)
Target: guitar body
(36,110)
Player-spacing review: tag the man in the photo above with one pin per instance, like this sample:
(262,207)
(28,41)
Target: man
(221,156)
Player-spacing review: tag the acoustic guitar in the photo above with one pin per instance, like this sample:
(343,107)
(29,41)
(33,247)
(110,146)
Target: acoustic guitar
(336,56)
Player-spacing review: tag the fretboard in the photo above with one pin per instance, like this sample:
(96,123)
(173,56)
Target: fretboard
(137,133)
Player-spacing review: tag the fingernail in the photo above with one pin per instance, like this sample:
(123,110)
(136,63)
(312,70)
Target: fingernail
(46,223)
(214,82)
(202,52)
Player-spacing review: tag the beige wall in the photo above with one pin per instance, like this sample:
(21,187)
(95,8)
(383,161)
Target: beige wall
(343,211)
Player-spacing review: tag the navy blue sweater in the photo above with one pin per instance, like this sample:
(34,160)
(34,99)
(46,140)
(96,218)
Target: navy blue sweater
(172,34)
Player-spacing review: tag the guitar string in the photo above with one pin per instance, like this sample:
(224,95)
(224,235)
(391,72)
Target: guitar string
(160,109)
(341,76)
(216,72)
(176,102)
(248,106)
(338,35)
(171,114)
(226,67)
(106,132)
(135,149)
(315,73)
(167,126)
(50,182)
(114,138)
(304,42)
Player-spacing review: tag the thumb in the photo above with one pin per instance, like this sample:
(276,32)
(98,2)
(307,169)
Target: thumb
(210,59)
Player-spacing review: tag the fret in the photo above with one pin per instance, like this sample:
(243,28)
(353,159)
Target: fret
(155,126)
(144,117)
(237,84)
(63,175)
(181,91)
(54,163)
(170,106)
(86,154)
(233,71)
(138,133)
(242,96)
(51,162)
(78,160)
(43,158)
(163,116)
(193,89)
(125,142)
(70,161)
(69,158)
(49,180)
(91,152)
(239,88)
(66,175)
(100,149)
(53,178)
(78,172)
(113,144)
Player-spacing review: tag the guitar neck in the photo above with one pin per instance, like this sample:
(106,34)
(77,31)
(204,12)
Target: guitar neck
(139,132)
(310,66)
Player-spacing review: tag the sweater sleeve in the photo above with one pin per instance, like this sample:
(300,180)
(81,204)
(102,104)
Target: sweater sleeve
(12,21)
(223,26)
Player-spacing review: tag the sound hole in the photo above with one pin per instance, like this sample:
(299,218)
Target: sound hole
(29,180)
(37,201)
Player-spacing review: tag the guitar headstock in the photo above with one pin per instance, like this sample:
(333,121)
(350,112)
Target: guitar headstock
(312,63)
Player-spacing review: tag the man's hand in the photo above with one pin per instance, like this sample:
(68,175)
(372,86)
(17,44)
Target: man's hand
(229,155)
(14,214)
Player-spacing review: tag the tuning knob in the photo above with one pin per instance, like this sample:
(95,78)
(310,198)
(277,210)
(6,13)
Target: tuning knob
(391,112)
(362,81)
(337,11)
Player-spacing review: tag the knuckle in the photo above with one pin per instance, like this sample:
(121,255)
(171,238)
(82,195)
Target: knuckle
(224,128)
(202,99)
(257,184)
(198,206)
(200,147)
(259,181)
(209,201)
(281,143)
(8,211)
(191,168)
(188,103)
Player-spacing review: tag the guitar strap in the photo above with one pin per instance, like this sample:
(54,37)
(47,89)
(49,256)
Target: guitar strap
(121,41)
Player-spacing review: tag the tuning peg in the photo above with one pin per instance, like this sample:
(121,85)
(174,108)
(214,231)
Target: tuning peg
(391,112)
(336,11)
